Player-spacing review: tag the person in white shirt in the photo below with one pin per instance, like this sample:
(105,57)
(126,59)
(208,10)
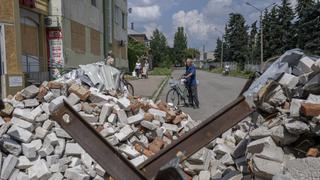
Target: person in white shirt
(146,69)
(138,68)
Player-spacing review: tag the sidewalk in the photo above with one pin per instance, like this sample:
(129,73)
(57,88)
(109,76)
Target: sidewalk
(147,87)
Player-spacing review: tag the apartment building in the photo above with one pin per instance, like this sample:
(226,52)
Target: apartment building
(38,38)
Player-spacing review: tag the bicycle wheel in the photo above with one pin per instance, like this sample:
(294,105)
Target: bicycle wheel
(173,97)
(130,88)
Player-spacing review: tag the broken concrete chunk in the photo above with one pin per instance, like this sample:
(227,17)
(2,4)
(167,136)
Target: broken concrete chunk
(170,127)
(129,151)
(260,133)
(30,92)
(124,102)
(61,133)
(56,176)
(122,116)
(258,145)
(8,166)
(22,123)
(289,81)
(265,168)
(11,146)
(303,168)
(204,175)
(136,119)
(73,149)
(157,112)
(20,134)
(73,99)
(30,103)
(23,163)
(76,173)
(54,104)
(105,112)
(41,132)
(149,125)
(138,160)
(112,118)
(305,64)
(297,127)
(39,170)
(124,133)
(29,150)
(282,137)
(8,109)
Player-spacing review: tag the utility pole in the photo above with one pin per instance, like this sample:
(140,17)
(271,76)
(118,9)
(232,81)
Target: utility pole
(222,34)
(261,30)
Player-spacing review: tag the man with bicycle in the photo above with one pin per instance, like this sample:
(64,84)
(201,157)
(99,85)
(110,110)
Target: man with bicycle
(191,84)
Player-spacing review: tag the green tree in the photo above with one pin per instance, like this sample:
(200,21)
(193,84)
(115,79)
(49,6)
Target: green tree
(135,50)
(310,23)
(302,8)
(217,51)
(286,17)
(253,43)
(192,53)
(159,49)
(179,45)
(237,39)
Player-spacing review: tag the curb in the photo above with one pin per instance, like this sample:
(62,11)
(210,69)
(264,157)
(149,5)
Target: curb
(158,92)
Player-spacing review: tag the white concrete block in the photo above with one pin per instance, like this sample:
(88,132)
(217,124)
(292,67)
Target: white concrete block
(20,134)
(136,119)
(8,166)
(105,112)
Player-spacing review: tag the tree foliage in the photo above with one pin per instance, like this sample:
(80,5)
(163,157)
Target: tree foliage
(192,53)
(180,45)
(135,50)
(284,27)
(159,49)
(237,39)
(217,51)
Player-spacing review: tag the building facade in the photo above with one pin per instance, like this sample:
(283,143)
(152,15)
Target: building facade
(39,37)
(23,42)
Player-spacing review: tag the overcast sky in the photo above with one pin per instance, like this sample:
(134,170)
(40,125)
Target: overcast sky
(199,17)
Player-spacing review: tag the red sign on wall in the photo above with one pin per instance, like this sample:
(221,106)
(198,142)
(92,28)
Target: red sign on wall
(29,3)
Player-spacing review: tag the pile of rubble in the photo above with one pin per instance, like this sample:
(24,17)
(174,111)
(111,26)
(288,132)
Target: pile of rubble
(35,147)
(281,140)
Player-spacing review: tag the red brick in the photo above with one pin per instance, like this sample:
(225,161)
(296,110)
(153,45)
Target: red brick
(313,152)
(148,117)
(178,119)
(156,145)
(55,85)
(80,91)
(309,109)
(19,97)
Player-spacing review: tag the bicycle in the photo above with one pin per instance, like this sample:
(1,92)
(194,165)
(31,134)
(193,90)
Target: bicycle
(128,85)
(177,93)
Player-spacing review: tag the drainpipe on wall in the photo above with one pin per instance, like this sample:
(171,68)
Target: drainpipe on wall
(105,29)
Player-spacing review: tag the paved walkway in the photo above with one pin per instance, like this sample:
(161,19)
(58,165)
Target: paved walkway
(215,91)
(146,87)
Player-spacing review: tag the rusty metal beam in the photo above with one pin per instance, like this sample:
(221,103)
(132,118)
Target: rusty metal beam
(200,136)
(94,144)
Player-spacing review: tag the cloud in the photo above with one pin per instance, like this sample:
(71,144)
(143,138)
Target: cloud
(146,13)
(217,7)
(194,23)
(149,28)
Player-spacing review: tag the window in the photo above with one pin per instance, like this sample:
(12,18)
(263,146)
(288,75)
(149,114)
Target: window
(95,42)
(118,15)
(123,20)
(94,3)
(78,37)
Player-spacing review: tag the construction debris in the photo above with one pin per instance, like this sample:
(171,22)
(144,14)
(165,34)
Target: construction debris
(281,141)
(35,147)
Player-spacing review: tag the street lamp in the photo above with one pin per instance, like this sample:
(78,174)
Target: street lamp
(221,59)
(261,29)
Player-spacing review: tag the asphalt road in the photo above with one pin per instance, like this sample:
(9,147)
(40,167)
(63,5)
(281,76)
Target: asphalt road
(215,91)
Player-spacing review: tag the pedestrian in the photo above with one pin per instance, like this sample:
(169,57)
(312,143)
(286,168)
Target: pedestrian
(138,68)
(145,69)
(110,59)
(192,84)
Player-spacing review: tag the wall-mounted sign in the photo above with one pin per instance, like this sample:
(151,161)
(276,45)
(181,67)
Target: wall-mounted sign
(15,81)
(55,42)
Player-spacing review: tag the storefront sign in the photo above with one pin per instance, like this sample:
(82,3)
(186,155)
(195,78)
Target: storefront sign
(56,59)
(15,81)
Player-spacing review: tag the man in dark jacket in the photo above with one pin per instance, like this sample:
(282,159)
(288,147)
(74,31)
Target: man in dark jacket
(192,84)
